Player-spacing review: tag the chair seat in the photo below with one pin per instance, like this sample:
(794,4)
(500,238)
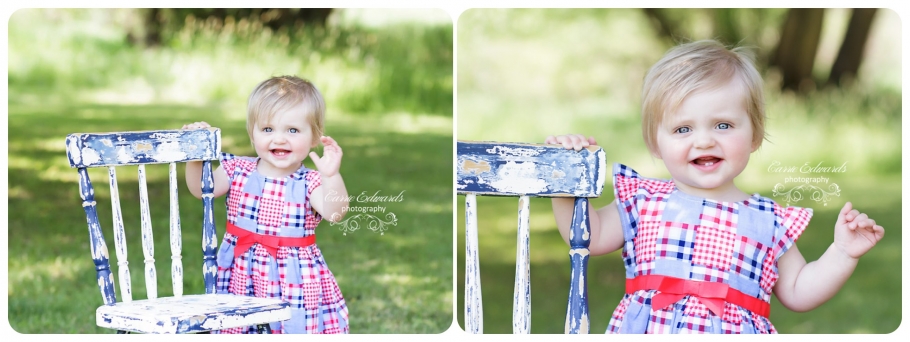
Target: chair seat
(191,313)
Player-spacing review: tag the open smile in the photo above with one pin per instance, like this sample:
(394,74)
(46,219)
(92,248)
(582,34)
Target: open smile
(280,153)
(706,163)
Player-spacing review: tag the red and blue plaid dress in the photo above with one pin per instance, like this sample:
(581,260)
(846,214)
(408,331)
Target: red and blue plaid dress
(298,275)
(670,233)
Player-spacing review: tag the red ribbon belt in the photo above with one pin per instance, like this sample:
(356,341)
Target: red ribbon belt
(712,294)
(246,239)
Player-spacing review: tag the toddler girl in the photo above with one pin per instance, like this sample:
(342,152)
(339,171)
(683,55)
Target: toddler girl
(274,195)
(701,255)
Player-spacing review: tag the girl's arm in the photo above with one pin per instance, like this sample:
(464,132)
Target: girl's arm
(803,287)
(193,172)
(194,179)
(331,198)
(606,228)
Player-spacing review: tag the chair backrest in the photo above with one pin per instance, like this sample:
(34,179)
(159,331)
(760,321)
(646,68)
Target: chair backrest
(523,171)
(86,150)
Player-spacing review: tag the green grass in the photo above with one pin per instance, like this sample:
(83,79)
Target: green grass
(399,282)
(390,111)
(585,77)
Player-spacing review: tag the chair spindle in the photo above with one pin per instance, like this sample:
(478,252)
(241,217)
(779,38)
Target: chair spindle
(148,242)
(123,269)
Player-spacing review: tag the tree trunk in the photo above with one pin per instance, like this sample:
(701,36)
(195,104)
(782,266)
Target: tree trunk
(666,28)
(850,55)
(795,54)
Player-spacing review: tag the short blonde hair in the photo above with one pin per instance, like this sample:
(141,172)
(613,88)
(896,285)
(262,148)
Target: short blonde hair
(691,67)
(280,93)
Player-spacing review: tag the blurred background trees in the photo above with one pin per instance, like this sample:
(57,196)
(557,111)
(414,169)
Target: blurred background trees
(793,53)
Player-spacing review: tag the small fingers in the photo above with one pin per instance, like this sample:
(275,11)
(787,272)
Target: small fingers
(570,141)
(858,221)
(196,125)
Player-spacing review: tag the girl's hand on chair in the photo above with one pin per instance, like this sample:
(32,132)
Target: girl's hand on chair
(196,125)
(855,233)
(571,141)
(330,162)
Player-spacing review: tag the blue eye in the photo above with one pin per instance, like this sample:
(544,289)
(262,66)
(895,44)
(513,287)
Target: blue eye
(683,130)
(267,129)
(293,130)
(724,125)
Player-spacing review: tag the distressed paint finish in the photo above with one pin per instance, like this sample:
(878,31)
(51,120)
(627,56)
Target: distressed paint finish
(473,304)
(521,305)
(143,147)
(148,242)
(191,313)
(180,313)
(529,170)
(577,321)
(176,258)
(510,169)
(126,291)
(98,247)
(209,243)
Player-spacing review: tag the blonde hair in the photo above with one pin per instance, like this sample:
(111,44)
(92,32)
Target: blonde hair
(281,93)
(691,67)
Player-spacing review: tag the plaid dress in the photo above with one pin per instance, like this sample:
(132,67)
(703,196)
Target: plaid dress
(298,275)
(670,233)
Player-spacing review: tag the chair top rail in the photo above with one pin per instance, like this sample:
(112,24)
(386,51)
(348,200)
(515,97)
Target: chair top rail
(142,147)
(521,169)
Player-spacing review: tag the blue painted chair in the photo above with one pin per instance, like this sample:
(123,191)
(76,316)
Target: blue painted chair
(524,171)
(179,313)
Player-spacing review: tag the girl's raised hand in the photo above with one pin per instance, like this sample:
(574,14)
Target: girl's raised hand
(855,233)
(571,141)
(197,125)
(330,162)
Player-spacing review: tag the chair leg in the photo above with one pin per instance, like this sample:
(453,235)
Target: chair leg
(263,328)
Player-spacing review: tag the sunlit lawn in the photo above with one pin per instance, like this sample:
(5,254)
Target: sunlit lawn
(389,107)
(398,282)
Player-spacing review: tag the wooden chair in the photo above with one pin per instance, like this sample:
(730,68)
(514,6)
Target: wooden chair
(525,170)
(179,313)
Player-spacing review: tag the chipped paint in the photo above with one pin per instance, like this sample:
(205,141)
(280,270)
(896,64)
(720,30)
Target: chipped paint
(471,166)
(171,152)
(525,170)
(473,304)
(528,169)
(521,303)
(126,292)
(90,156)
(148,241)
(123,156)
(73,152)
(145,147)
(191,313)
(168,314)
(507,150)
(142,147)
(176,245)
(209,267)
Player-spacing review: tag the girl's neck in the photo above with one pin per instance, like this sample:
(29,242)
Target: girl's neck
(728,193)
(268,170)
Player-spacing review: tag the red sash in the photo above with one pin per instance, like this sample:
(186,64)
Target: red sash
(712,294)
(246,239)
